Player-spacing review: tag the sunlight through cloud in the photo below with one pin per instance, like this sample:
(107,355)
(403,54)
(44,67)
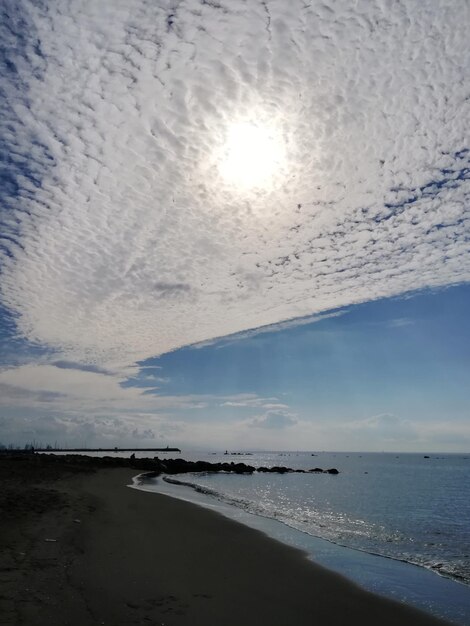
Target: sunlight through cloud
(253,155)
(183,175)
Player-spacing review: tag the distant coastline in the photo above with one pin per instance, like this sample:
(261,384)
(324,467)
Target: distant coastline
(115,449)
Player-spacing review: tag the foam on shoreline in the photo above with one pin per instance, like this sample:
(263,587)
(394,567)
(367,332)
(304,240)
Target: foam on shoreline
(398,580)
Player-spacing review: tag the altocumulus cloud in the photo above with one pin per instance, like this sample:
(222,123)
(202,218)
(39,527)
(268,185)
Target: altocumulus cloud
(120,238)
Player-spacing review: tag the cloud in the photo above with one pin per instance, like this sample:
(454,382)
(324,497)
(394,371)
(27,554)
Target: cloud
(69,365)
(81,406)
(144,434)
(242,404)
(400,322)
(250,400)
(274,419)
(78,392)
(120,238)
(249,334)
(391,432)
(449,434)
(275,406)
(51,429)
(384,428)
(63,381)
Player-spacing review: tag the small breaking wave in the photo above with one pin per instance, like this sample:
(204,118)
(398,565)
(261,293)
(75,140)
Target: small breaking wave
(338,529)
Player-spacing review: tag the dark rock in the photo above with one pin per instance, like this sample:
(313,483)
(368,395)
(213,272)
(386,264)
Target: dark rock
(276,469)
(151,467)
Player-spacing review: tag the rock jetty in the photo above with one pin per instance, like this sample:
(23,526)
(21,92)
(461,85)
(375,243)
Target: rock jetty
(155,466)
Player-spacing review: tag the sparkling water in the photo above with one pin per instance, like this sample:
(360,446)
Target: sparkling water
(409,507)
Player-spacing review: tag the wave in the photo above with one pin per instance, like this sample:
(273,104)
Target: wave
(328,532)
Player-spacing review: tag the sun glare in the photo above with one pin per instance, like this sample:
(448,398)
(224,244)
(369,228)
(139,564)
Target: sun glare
(252,156)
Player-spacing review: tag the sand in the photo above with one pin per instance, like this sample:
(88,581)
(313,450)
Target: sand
(80,548)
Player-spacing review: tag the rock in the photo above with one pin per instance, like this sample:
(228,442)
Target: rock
(277,469)
(153,467)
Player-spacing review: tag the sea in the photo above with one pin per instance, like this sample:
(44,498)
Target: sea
(397,524)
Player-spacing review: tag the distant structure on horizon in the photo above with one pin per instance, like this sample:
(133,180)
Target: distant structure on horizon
(115,449)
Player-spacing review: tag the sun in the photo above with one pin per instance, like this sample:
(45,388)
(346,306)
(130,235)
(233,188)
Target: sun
(253,155)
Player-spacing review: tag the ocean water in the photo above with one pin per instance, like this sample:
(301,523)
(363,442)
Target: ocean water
(405,507)
(402,506)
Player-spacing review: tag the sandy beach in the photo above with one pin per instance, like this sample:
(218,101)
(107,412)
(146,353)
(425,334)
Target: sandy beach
(79,548)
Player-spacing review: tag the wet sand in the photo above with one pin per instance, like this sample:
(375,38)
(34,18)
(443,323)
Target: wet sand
(120,556)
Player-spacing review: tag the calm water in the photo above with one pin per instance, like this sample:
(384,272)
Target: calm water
(402,506)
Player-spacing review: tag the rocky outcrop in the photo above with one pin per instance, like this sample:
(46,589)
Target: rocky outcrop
(180,466)
(157,466)
(276,469)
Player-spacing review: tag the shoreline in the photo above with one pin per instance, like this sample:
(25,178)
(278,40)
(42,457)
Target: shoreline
(397,579)
(169,479)
(99,552)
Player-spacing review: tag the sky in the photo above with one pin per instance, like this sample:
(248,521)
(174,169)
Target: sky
(235,224)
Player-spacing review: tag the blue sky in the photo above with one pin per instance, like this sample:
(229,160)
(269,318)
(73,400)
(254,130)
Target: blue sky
(384,365)
(390,375)
(175,180)
(395,353)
